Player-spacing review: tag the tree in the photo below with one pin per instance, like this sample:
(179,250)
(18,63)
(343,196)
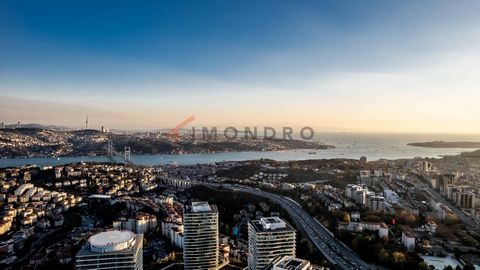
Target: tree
(227,229)
(383,256)
(451,219)
(399,257)
(457,253)
(406,218)
(385,238)
(355,242)
(306,248)
(469,266)
(338,215)
(429,219)
(346,217)
(423,266)
(372,218)
(410,219)
(448,267)
(443,230)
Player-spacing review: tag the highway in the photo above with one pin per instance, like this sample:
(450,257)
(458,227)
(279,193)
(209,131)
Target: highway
(334,251)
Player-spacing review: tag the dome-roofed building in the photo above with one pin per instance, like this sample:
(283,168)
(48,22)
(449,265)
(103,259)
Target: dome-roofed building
(111,250)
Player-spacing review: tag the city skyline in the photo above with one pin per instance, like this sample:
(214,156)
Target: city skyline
(249,135)
(349,66)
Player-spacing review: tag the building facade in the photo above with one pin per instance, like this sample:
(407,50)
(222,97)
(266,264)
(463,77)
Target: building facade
(269,238)
(201,238)
(465,199)
(111,250)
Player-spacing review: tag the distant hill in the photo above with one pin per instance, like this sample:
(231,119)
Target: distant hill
(32,141)
(443,144)
(473,154)
(37,126)
(87,132)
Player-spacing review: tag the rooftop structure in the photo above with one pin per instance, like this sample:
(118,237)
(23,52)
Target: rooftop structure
(111,250)
(99,196)
(111,241)
(291,263)
(271,224)
(200,207)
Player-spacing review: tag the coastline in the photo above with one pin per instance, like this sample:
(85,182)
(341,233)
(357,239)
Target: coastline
(445,144)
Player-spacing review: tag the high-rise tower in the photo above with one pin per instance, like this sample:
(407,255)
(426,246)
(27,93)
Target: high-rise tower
(269,238)
(200,250)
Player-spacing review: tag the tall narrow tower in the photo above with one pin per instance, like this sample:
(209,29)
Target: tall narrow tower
(86,123)
(110,148)
(201,236)
(127,153)
(269,238)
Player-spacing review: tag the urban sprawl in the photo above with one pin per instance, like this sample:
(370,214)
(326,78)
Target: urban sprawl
(263,214)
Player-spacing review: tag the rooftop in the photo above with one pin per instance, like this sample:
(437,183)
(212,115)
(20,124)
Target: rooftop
(271,224)
(199,207)
(134,247)
(111,241)
(291,263)
(99,196)
(409,233)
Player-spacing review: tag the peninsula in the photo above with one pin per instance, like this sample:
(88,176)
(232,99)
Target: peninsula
(443,144)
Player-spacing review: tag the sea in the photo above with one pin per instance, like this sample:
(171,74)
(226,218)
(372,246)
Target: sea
(374,146)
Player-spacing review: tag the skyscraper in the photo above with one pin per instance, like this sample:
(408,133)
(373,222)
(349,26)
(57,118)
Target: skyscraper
(111,250)
(201,236)
(269,238)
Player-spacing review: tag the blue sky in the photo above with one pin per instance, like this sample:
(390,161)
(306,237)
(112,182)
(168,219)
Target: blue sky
(149,64)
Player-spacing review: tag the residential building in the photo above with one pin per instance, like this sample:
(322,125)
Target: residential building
(289,263)
(269,238)
(201,238)
(465,199)
(376,203)
(408,240)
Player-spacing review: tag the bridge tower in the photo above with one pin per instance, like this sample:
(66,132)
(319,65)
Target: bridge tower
(127,154)
(110,148)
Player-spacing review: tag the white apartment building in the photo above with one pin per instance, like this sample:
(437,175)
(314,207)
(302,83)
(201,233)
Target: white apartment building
(201,238)
(269,238)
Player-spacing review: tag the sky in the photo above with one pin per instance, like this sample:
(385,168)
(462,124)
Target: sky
(369,66)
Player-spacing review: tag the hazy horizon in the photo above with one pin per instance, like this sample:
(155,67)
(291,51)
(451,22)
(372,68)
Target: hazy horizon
(220,129)
(394,67)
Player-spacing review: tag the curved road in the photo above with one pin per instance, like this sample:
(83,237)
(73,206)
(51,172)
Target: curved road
(337,253)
